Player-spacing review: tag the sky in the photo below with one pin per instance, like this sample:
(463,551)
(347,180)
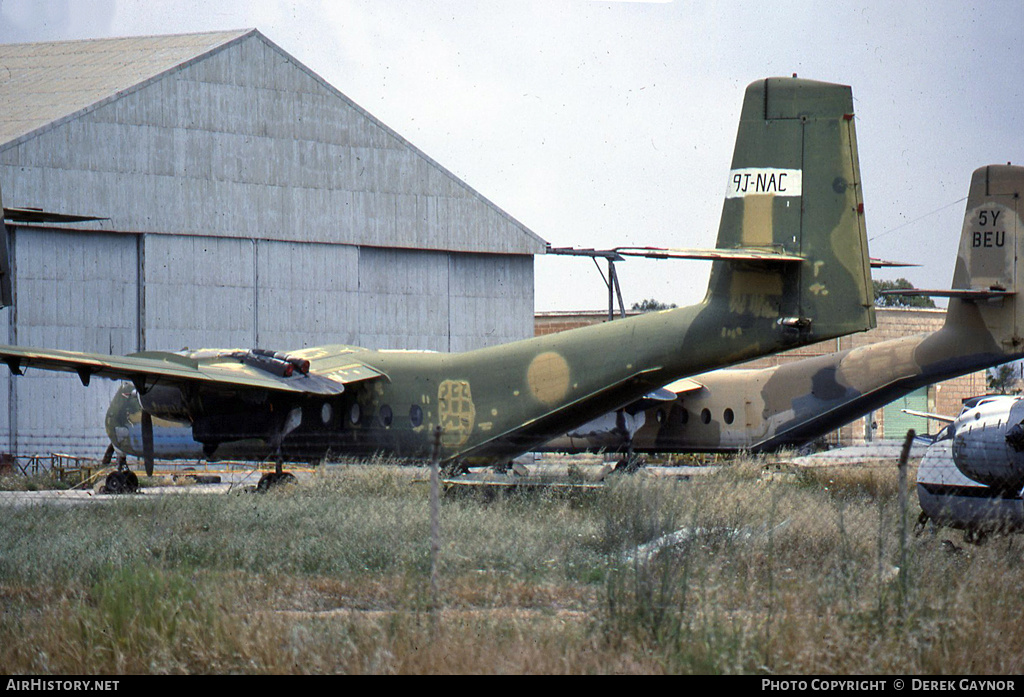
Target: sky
(605,124)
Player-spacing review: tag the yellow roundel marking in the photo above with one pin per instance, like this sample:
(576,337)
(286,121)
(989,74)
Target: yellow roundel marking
(548,377)
(456,411)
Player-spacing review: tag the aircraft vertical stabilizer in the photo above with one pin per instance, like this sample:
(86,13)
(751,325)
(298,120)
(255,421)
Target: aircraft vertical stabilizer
(795,174)
(985,281)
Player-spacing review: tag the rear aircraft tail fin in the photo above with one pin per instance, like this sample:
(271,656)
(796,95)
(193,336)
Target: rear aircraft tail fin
(795,190)
(986,280)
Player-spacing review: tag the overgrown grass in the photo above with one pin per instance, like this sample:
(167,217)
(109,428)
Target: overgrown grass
(733,572)
(35,482)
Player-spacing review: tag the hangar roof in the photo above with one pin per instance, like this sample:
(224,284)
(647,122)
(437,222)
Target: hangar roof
(43,83)
(93,85)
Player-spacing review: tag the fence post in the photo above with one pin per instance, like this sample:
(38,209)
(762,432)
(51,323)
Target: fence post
(435,524)
(903,495)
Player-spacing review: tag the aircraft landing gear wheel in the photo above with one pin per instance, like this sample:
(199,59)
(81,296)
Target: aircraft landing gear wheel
(114,484)
(273,480)
(131,481)
(121,482)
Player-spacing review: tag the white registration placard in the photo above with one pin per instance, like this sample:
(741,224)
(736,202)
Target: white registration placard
(761,181)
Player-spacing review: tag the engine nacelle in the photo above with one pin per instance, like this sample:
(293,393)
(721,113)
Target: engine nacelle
(165,402)
(987,444)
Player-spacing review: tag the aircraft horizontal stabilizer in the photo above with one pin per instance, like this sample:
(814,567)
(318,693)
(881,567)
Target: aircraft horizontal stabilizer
(684,385)
(966,294)
(877,263)
(738,254)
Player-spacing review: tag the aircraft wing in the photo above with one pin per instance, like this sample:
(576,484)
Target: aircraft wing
(324,375)
(928,415)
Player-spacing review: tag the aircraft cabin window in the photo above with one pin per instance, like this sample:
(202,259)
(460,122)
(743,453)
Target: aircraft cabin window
(705,416)
(385,415)
(416,415)
(326,413)
(728,416)
(355,413)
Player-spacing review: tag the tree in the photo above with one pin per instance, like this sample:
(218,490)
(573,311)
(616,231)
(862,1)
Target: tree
(651,305)
(1003,379)
(899,300)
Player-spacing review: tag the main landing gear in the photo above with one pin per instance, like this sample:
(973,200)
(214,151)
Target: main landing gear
(278,477)
(272,480)
(120,481)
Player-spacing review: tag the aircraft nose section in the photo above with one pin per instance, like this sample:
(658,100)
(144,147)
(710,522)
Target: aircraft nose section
(1015,437)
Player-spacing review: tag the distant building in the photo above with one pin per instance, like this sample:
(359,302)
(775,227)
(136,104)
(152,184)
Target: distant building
(250,203)
(892,323)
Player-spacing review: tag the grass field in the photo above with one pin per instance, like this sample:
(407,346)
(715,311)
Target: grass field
(796,573)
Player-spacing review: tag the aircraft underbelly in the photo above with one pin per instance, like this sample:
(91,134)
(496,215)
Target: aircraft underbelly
(950,498)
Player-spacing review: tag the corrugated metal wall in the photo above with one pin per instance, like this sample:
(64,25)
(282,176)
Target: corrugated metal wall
(308,295)
(74,292)
(484,293)
(199,292)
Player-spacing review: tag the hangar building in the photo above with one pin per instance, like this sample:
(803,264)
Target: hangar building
(248,203)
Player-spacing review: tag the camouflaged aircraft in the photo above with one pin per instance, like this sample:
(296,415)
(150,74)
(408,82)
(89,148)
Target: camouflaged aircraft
(766,409)
(790,268)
